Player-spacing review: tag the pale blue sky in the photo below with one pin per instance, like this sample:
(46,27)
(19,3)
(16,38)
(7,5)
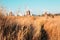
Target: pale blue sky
(36,6)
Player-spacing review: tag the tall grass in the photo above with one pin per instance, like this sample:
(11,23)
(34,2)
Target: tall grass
(10,29)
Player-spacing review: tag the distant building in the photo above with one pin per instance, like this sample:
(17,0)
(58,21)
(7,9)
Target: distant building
(28,12)
(45,14)
(10,14)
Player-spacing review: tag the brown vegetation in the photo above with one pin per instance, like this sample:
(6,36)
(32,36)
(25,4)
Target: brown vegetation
(29,27)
